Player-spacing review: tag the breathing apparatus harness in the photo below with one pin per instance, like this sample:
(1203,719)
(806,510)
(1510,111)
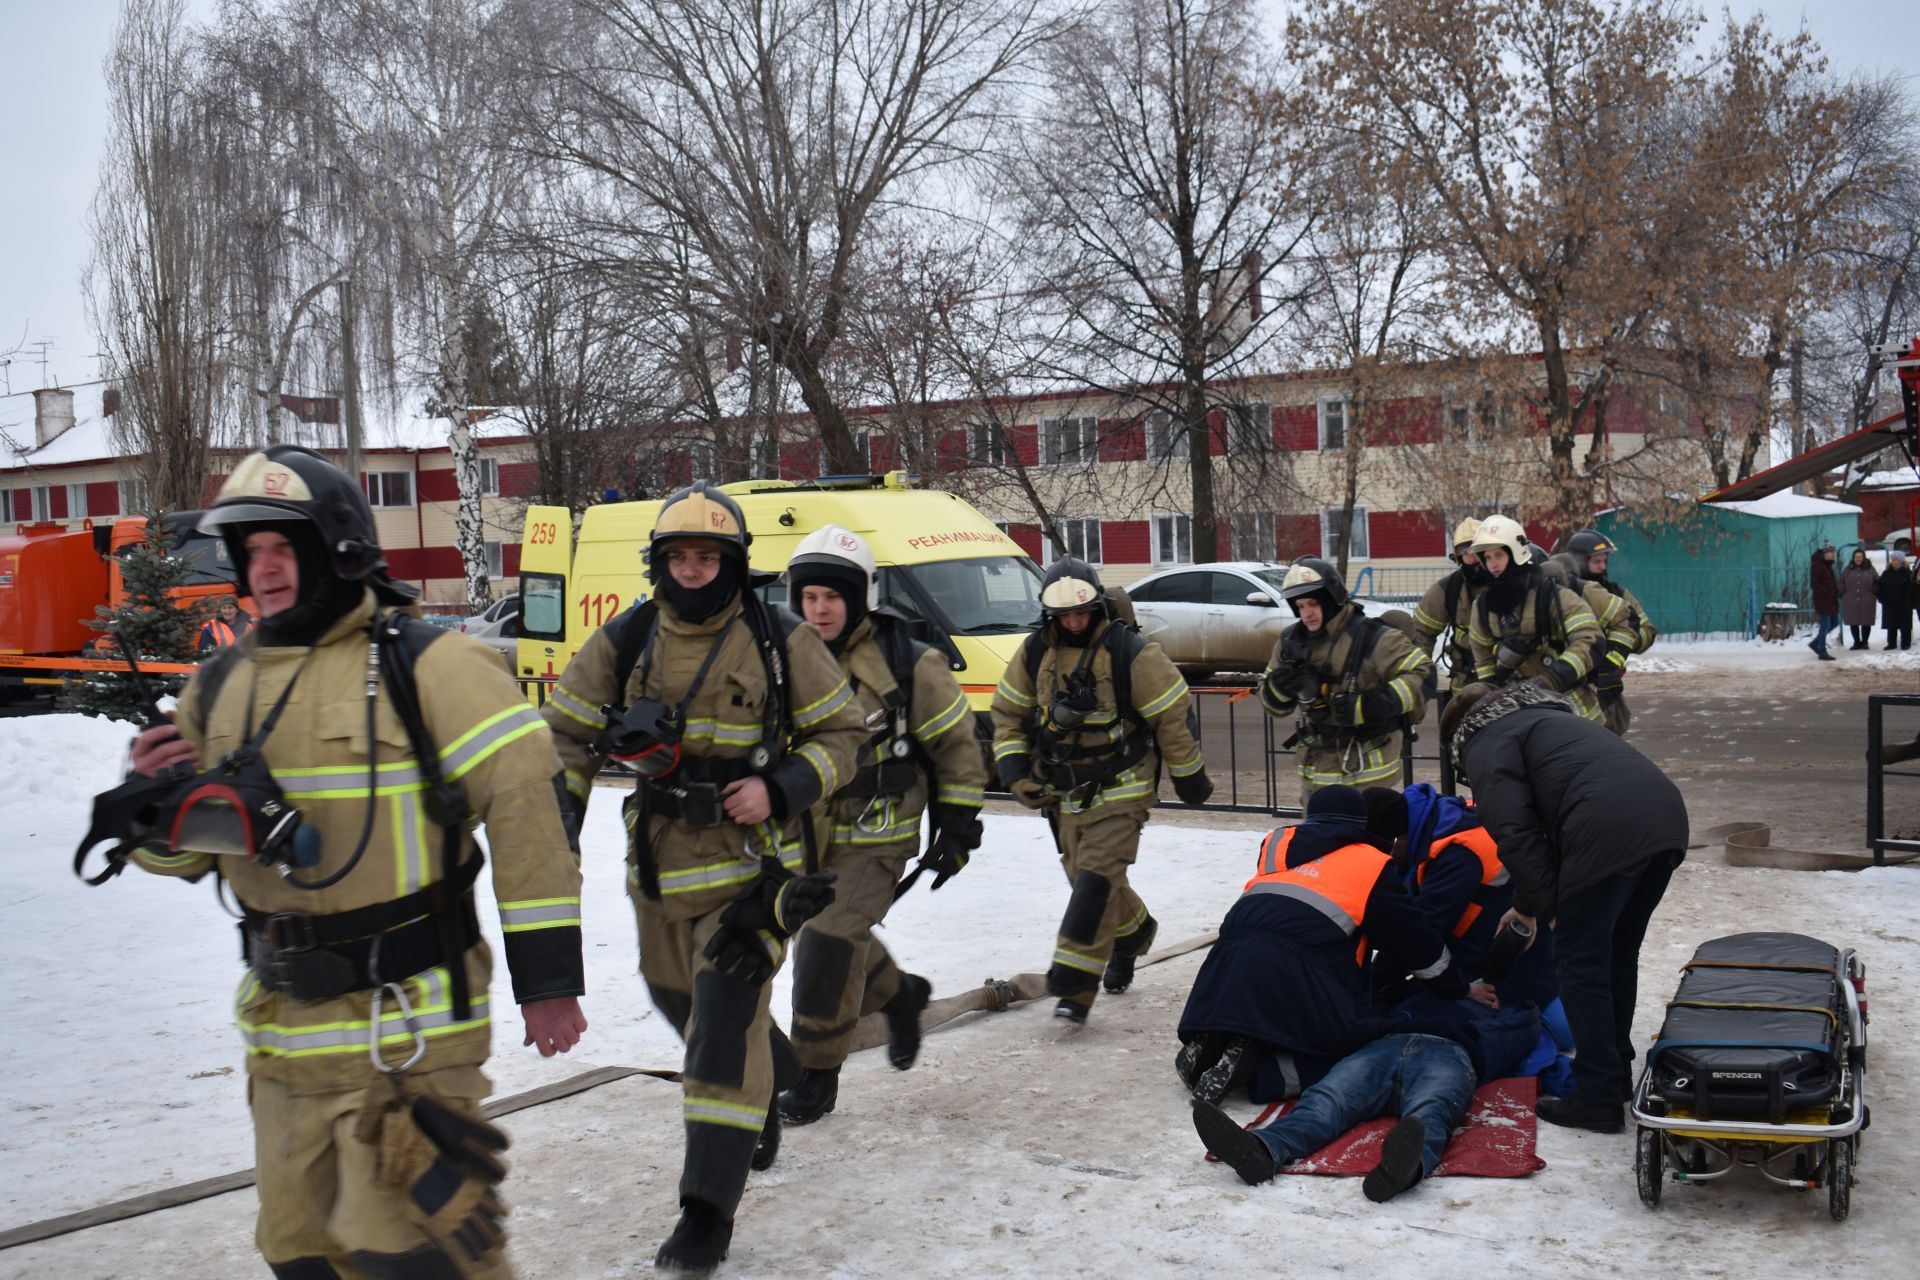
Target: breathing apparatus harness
(1314,727)
(1070,767)
(895,760)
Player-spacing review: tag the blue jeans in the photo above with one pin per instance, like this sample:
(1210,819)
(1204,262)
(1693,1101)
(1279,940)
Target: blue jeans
(1827,622)
(1402,1075)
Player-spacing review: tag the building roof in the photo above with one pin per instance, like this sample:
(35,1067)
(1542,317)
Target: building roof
(1787,506)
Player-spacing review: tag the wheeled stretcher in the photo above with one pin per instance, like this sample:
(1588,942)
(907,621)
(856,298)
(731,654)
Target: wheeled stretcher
(1762,1061)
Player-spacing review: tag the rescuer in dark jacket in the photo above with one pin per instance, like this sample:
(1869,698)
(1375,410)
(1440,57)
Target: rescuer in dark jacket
(1590,831)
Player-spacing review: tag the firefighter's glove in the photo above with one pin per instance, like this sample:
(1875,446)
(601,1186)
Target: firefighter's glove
(1286,682)
(1515,648)
(1374,707)
(1193,789)
(1012,768)
(957,833)
(1560,674)
(453,1197)
(778,901)
(1030,793)
(746,955)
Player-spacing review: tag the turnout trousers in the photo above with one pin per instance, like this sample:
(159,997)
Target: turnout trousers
(735,1057)
(841,972)
(1104,912)
(319,1194)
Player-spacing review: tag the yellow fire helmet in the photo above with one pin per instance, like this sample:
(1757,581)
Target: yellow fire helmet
(1463,535)
(1503,532)
(1309,574)
(699,511)
(1070,583)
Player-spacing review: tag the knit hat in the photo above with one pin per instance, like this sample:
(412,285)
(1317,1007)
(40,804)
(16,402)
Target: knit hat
(1338,803)
(1479,705)
(1386,813)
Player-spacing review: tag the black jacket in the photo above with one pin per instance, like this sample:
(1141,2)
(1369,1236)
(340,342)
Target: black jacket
(1896,597)
(1569,804)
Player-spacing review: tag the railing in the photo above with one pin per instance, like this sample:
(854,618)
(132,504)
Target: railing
(1881,755)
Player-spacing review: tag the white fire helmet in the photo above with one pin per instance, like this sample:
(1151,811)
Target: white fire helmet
(833,552)
(1503,532)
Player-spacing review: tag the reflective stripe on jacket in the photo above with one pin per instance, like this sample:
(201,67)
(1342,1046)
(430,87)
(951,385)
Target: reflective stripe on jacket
(1493,873)
(1336,884)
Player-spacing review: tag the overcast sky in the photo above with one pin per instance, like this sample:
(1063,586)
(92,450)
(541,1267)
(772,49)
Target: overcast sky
(52,100)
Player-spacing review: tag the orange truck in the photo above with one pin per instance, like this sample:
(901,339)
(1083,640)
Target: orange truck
(52,579)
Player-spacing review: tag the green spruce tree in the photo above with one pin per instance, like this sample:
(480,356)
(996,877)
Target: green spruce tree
(156,624)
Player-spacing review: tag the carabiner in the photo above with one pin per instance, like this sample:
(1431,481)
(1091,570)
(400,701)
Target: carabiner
(888,807)
(406,1018)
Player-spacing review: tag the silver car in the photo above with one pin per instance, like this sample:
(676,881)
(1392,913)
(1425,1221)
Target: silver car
(498,626)
(1214,617)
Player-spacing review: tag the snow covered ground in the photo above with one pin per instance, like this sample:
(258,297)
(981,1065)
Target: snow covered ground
(1019,1146)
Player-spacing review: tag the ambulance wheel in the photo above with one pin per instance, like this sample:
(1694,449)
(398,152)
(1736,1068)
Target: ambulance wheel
(1839,1179)
(1647,1152)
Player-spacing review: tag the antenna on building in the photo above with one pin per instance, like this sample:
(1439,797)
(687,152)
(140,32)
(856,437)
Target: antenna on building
(45,345)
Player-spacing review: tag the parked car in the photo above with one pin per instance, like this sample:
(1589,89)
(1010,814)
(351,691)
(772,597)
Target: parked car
(1901,539)
(1215,617)
(498,625)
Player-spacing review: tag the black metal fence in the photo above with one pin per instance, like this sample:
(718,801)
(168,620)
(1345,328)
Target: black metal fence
(1882,756)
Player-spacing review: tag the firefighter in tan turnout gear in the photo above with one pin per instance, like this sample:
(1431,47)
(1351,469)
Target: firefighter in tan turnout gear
(737,721)
(920,756)
(1082,720)
(1629,629)
(1447,607)
(383,735)
(1355,681)
(1529,627)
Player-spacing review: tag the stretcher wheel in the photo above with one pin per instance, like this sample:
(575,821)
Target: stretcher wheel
(1839,1179)
(1647,1152)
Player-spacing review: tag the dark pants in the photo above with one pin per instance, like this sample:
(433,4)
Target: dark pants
(1900,633)
(1596,951)
(1827,622)
(1399,1075)
(1859,636)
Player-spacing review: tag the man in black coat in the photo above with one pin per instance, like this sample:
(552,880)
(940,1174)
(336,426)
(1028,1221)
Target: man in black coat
(1590,831)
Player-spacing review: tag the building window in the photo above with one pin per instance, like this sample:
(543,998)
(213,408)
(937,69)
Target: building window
(1476,421)
(700,461)
(1331,532)
(390,488)
(1166,438)
(489,480)
(1082,539)
(1172,539)
(6,506)
(76,502)
(1069,442)
(495,564)
(989,445)
(763,459)
(1333,424)
(133,495)
(42,504)
(1249,428)
(863,450)
(1254,535)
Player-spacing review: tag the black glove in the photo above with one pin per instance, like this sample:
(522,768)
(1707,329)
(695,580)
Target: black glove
(745,955)
(1374,707)
(779,901)
(957,833)
(1193,789)
(1515,648)
(1013,767)
(1286,682)
(1561,673)
(453,1198)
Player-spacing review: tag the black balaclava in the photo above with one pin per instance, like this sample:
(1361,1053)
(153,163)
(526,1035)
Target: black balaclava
(1509,591)
(1327,607)
(844,581)
(1476,574)
(699,603)
(324,597)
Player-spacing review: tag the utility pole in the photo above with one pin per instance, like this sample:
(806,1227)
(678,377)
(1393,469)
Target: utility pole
(350,374)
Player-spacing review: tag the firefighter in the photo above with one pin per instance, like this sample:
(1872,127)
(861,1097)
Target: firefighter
(920,756)
(736,721)
(1447,607)
(1082,720)
(365,913)
(1527,626)
(1355,681)
(1633,631)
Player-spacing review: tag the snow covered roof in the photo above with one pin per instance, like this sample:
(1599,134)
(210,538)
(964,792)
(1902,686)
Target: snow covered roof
(1787,505)
(89,439)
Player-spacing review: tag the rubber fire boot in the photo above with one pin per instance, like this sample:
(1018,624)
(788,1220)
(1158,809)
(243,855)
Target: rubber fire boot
(812,1098)
(1234,1068)
(1233,1146)
(903,1019)
(1400,1164)
(303,1269)
(1119,974)
(1570,1113)
(767,1149)
(699,1243)
(1074,1011)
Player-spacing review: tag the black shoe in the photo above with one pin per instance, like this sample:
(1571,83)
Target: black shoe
(1073,1011)
(1119,974)
(1233,1146)
(1401,1161)
(812,1098)
(1198,1054)
(1233,1068)
(699,1243)
(768,1147)
(1827,657)
(1570,1113)
(1063,980)
(903,1019)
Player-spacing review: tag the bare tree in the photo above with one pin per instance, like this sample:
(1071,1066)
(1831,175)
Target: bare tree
(152,279)
(1160,199)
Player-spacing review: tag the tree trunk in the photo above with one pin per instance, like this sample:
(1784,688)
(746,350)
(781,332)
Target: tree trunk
(469,526)
(1206,530)
(836,440)
(1572,505)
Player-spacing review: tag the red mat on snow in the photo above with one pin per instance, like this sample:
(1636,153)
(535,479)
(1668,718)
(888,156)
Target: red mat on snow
(1495,1141)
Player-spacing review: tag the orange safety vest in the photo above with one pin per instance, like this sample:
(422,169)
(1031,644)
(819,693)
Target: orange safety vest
(1336,884)
(1493,873)
(222,633)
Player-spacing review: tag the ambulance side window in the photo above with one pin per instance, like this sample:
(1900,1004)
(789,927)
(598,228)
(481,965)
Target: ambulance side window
(895,591)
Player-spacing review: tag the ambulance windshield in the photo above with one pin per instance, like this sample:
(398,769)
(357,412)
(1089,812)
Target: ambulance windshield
(992,595)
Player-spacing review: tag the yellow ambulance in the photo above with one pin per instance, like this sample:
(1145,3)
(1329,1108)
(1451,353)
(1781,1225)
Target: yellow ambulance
(968,589)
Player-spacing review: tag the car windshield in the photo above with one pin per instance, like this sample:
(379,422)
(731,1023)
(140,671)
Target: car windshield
(992,595)
(1272,577)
